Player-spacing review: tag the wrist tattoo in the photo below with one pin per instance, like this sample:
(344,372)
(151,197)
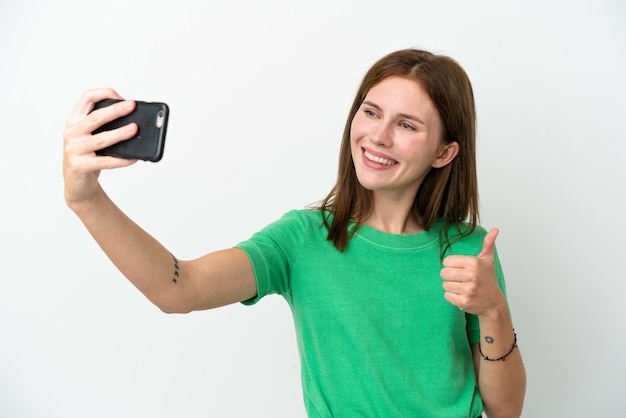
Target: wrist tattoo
(489,340)
(176,270)
(504,357)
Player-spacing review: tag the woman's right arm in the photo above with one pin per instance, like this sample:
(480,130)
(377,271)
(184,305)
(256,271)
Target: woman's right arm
(216,279)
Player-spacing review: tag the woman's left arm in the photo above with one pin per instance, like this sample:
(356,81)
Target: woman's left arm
(471,284)
(499,367)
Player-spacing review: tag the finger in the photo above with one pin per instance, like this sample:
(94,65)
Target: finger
(107,163)
(88,100)
(457,261)
(82,165)
(489,244)
(99,117)
(456,288)
(455,299)
(78,162)
(108,138)
(454,274)
(92,143)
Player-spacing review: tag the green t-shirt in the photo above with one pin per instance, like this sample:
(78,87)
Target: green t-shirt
(375,335)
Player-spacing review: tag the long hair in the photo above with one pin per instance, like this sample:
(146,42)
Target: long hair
(449,193)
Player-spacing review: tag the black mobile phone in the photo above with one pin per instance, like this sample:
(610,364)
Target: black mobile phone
(149,142)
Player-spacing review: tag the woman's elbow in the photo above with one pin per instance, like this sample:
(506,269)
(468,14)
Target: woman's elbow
(171,309)
(507,411)
(172,306)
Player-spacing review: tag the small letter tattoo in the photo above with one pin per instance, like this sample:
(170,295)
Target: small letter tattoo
(489,339)
(176,271)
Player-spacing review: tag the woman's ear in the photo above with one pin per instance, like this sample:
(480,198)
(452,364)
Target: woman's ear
(447,154)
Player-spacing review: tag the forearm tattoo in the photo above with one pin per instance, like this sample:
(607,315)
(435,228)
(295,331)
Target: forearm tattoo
(489,340)
(176,270)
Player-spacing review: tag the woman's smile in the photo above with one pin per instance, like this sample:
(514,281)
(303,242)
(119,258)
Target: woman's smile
(378,160)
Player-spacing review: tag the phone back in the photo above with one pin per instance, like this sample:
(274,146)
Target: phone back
(149,142)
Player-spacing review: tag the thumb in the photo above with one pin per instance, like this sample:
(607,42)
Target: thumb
(489,244)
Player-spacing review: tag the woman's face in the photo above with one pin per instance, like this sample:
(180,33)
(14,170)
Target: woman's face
(396,138)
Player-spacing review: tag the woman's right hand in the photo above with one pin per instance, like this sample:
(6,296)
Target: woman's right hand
(81,165)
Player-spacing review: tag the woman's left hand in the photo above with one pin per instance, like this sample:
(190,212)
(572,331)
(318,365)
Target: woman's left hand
(470,282)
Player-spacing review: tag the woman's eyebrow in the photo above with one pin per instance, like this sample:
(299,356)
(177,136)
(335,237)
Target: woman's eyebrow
(402,115)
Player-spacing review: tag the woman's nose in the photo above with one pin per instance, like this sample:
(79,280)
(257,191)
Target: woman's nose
(381,135)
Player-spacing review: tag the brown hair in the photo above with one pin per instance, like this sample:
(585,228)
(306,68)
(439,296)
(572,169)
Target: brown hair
(449,192)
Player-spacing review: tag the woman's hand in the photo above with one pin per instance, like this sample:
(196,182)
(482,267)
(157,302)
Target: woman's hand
(470,282)
(81,165)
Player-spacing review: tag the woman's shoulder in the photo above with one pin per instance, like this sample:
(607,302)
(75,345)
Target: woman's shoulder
(307,215)
(309,218)
(465,238)
(292,229)
(305,218)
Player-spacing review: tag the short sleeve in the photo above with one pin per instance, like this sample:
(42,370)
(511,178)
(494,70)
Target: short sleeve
(273,251)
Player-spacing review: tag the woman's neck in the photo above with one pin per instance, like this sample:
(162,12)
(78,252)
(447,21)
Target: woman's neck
(393,215)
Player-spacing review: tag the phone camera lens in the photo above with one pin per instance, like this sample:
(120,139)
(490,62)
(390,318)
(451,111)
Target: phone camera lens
(160,119)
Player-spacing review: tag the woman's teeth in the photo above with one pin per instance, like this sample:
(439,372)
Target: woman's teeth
(378,160)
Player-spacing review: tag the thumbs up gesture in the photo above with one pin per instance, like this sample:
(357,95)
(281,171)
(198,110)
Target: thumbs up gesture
(470,282)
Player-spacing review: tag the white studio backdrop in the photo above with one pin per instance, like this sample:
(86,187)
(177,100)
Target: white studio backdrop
(259,92)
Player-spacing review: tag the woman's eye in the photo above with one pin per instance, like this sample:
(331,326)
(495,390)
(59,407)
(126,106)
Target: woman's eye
(405,125)
(370,113)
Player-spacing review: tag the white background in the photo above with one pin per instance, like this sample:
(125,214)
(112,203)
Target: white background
(259,92)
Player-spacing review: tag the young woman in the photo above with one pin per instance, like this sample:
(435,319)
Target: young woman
(397,294)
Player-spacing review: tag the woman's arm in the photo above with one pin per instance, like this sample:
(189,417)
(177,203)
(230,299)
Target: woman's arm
(471,284)
(500,369)
(214,280)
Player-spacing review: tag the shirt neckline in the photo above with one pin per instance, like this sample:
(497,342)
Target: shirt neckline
(399,241)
